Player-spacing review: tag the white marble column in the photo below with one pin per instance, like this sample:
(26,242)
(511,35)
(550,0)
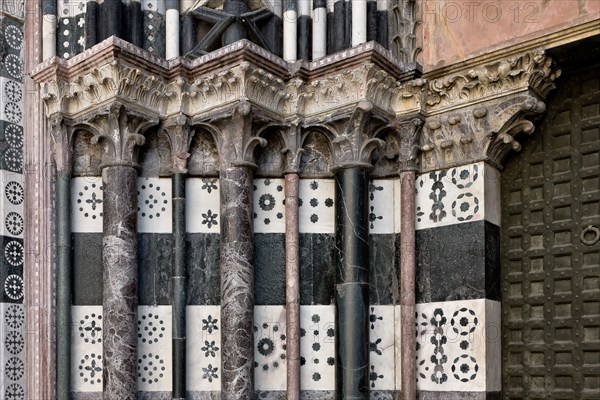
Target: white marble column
(172,29)
(319,34)
(290,30)
(359,22)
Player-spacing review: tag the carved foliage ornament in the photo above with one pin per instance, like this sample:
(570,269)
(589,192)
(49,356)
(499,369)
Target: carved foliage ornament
(100,85)
(533,70)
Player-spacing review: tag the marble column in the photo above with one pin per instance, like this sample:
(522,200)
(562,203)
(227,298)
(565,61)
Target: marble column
(120,280)
(179,287)
(62,157)
(119,130)
(409,138)
(48,29)
(304,30)
(290,30)
(359,22)
(382,23)
(352,288)
(339,26)
(237,283)
(172,29)
(319,27)
(292,285)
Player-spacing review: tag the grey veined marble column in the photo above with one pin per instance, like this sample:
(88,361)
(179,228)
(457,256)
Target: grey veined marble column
(237,283)
(119,131)
(120,279)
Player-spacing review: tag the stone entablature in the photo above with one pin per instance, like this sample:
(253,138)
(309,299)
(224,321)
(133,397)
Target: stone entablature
(469,115)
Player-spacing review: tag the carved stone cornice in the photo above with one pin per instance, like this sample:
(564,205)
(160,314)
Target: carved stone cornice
(529,71)
(465,109)
(74,95)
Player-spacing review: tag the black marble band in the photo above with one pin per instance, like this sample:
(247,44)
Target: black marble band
(466,255)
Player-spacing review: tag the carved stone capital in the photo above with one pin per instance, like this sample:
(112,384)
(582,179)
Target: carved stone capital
(234,132)
(178,131)
(486,131)
(119,131)
(409,132)
(61,134)
(354,143)
(292,137)
(476,114)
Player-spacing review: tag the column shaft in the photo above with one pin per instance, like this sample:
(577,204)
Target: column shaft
(63,285)
(352,289)
(172,29)
(407,284)
(304,30)
(290,30)
(292,286)
(48,29)
(319,34)
(120,279)
(339,23)
(179,287)
(237,284)
(359,22)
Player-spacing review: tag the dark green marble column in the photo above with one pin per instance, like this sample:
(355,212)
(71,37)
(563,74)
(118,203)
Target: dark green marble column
(352,288)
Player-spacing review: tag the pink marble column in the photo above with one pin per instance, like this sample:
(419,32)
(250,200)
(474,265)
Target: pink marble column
(409,131)
(407,284)
(292,286)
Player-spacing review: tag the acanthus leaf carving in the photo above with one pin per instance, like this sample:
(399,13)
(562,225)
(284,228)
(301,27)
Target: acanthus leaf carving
(120,132)
(179,133)
(353,146)
(409,132)
(533,70)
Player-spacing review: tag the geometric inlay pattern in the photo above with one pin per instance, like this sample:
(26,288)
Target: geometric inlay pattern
(457,195)
(456,341)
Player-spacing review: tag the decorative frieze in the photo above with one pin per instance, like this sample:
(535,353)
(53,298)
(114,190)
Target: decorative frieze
(470,115)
